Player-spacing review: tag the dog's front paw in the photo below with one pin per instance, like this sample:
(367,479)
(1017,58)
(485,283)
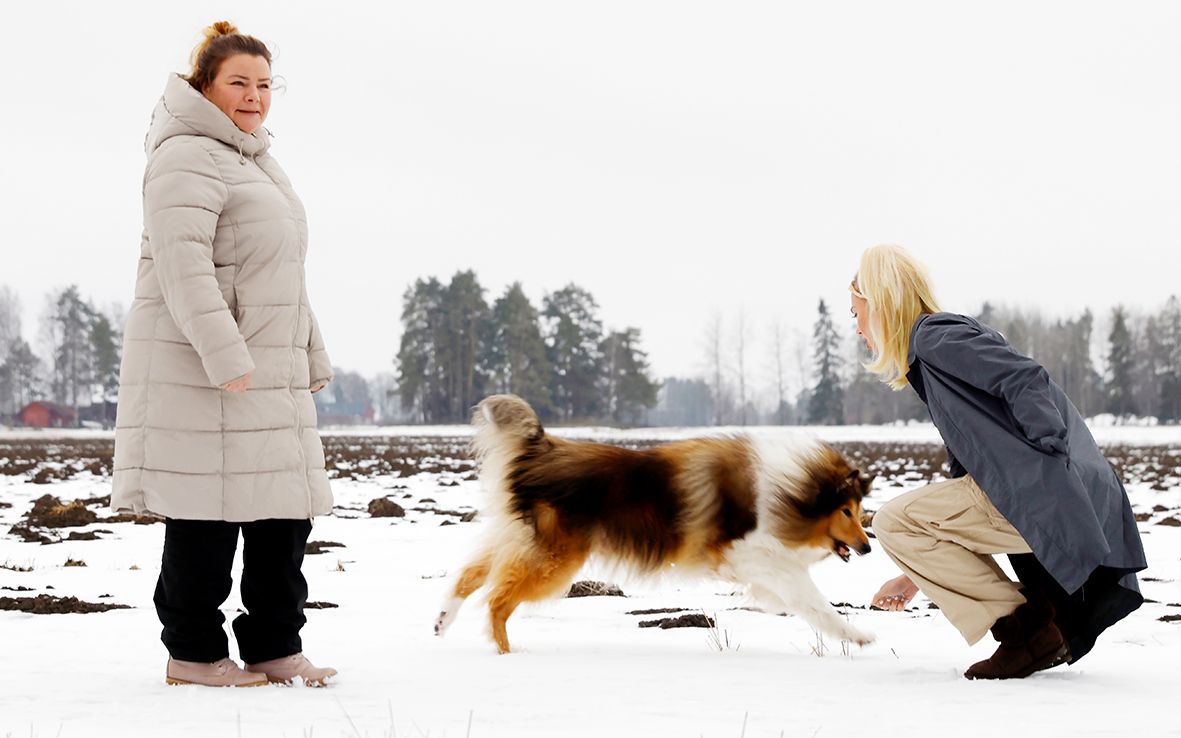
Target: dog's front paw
(447,614)
(443,621)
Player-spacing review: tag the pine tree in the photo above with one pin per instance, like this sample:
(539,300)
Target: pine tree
(20,378)
(105,342)
(1088,393)
(573,334)
(1169,402)
(10,320)
(68,321)
(1149,368)
(466,320)
(1120,363)
(627,389)
(515,352)
(826,403)
(421,352)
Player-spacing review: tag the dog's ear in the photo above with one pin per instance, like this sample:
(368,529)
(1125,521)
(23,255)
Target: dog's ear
(866,481)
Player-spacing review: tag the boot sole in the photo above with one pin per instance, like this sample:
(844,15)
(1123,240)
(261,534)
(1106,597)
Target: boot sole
(182,682)
(306,682)
(1062,657)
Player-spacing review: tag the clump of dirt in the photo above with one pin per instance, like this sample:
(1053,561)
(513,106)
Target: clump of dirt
(319,547)
(688,620)
(1169,618)
(320,605)
(464,517)
(383,507)
(29,535)
(656,611)
(587,588)
(50,605)
(132,518)
(49,512)
(1173,522)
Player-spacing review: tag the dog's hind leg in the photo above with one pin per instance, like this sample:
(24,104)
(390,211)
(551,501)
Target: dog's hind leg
(532,579)
(470,579)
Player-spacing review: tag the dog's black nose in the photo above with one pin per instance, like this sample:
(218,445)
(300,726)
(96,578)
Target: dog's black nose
(864,548)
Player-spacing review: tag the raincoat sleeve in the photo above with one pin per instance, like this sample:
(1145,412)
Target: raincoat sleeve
(183,197)
(981,357)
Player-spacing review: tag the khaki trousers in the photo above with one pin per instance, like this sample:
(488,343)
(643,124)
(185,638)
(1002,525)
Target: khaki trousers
(943,536)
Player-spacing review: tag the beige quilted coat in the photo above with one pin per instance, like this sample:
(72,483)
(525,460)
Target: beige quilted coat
(220,293)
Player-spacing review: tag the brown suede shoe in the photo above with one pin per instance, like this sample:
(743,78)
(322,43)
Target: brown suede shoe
(223,673)
(1029,642)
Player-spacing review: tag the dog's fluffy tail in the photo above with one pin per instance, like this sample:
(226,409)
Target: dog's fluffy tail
(504,424)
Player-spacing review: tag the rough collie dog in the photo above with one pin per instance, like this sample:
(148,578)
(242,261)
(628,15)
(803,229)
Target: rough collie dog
(756,513)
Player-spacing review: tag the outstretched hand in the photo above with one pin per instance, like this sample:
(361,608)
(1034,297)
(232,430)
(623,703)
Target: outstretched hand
(895,594)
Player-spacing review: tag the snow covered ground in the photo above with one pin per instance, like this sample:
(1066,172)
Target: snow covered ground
(581,667)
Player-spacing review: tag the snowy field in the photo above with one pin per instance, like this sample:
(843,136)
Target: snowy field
(581,666)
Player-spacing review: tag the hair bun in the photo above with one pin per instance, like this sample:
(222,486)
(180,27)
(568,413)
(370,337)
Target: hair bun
(220,28)
(210,32)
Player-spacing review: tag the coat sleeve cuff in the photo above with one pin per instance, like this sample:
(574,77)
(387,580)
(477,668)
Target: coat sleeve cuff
(228,363)
(319,367)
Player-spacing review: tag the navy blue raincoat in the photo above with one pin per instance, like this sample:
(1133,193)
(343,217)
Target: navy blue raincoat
(1006,423)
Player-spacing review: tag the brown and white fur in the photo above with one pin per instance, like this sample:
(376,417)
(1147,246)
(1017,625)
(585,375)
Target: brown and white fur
(753,512)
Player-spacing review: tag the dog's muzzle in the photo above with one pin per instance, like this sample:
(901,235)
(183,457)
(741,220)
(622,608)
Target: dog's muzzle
(843,550)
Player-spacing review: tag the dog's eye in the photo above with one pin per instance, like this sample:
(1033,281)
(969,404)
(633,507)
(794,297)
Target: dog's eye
(848,513)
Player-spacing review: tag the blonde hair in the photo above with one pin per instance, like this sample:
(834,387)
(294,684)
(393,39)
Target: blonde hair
(897,289)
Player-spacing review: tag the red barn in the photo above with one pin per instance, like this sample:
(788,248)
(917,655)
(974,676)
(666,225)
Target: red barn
(46,415)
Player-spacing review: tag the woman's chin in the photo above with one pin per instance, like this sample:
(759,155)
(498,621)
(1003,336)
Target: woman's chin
(249,124)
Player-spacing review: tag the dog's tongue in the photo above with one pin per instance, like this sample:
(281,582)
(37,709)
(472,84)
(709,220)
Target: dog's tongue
(843,551)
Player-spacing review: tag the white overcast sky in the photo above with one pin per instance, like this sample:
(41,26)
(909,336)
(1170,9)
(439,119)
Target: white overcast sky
(678,159)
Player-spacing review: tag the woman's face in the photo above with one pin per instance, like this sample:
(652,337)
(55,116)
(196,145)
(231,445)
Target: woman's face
(859,307)
(242,90)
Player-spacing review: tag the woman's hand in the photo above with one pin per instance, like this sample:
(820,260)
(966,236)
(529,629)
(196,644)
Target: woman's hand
(895,594)
(241,384)
(318,386)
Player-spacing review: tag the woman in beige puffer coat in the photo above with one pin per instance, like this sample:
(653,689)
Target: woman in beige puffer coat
(216,427)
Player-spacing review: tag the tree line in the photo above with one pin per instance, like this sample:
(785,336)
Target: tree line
(1134,370)
(456,347)
(79,366)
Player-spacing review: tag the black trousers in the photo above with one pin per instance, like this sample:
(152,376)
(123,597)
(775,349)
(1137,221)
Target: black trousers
(195,581)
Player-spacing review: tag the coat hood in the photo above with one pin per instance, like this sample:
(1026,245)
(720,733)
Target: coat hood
(182,111)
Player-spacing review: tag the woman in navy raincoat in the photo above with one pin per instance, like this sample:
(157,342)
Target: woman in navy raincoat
(1028,480)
